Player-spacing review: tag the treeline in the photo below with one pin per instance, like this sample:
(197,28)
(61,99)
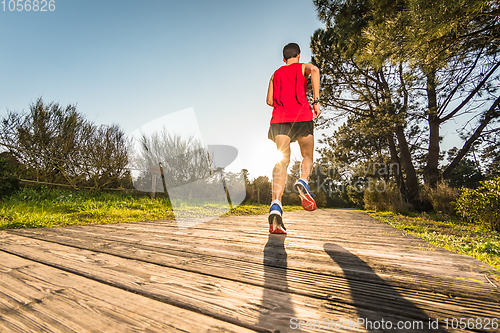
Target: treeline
(395,72)
(58,145)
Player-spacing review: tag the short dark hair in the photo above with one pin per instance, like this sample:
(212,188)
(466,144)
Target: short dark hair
(291,50)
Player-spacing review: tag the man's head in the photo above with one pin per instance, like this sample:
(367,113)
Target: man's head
(291,50)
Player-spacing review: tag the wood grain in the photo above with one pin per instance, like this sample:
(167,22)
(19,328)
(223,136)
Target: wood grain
(38,298)
(335,264)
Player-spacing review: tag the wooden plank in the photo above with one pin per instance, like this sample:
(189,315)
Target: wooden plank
(39,298)
(218,268)
(300,281)
(226,247)
(227,229)
(246,271)
(213,250)
(437,285)
(436,270)
(248,235)
(240,303)
(225,300)
(234,235)
(376,299)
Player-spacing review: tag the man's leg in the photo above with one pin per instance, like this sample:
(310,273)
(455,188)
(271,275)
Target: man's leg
(306,144)
(276,225)
(279,171)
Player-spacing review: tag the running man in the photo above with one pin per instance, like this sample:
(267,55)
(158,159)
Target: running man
(292,120)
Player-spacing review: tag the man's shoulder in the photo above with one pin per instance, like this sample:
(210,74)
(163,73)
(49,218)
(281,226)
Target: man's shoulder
(279,68)
(278,71)
(288,67)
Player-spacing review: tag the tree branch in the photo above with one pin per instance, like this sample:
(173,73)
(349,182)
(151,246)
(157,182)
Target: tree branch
(458,85)
(472,94)
(489,115)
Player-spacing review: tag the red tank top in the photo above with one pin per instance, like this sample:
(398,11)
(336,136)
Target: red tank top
(289,94)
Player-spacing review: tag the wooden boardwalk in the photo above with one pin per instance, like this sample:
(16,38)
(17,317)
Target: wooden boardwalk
(334,269)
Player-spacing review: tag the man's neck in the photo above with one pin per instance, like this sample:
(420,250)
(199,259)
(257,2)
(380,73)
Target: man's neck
(292,61)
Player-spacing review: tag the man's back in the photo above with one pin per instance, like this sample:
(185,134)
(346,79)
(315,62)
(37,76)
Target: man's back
(289,94)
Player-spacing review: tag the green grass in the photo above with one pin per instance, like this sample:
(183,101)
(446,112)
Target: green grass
(450,233)
(31,208)
(42,207)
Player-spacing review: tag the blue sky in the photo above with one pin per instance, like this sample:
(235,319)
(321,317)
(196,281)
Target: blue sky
(130,62)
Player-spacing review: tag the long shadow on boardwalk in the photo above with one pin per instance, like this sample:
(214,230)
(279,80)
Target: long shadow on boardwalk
(276,304)
(390,306)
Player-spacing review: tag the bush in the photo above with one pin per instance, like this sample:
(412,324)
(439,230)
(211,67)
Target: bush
(8,182)
(481,205)
(290,198)
(441,197)
(339,200)
(383,196)
(58,145)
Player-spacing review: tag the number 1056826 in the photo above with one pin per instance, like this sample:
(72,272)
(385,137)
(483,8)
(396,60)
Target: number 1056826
(28,5)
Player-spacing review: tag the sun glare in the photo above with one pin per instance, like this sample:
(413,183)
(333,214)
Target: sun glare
(277,156)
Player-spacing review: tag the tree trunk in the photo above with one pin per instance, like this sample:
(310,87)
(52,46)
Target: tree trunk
(411,174)
(431,171)
(398,174)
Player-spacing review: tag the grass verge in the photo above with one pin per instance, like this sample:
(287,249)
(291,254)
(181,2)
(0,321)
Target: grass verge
(34,208)
(43,207)
(452,234)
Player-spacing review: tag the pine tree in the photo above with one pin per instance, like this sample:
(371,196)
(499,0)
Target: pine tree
(410,63)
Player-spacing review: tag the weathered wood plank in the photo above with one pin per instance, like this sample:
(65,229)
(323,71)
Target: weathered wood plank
(404,265)
(225,300)
(299,260)
(385,300)
(242,303)
(334,264)
(319,225)
(383,248)
(38,298)
(181,248)
(299,281)
(227,229)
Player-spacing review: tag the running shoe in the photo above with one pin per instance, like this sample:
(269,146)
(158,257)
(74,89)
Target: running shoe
(305,194)
(280,230)
(276,225)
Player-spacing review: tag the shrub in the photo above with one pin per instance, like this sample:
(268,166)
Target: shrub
(320,199)
(441,197)
(482,204)
(290,197)
(383,196)
(8,182)
(339,199)
(58,145)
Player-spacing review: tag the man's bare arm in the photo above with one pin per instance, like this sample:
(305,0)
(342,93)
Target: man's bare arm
(310,69)
(270,99)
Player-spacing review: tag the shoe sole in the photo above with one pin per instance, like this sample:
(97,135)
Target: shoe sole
(275,221)
(279,231)
(308,202)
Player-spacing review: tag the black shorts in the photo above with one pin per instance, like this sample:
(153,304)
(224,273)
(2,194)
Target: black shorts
(293,130)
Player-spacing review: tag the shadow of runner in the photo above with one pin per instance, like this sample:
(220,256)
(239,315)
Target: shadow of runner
(276,304)
(373,308)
